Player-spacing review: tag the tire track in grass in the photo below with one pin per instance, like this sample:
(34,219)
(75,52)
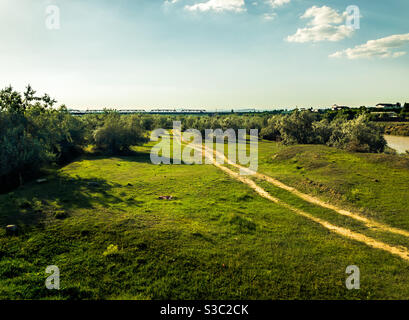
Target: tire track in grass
(401,252)
(368,222)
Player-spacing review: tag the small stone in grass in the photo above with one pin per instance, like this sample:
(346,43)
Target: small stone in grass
(165,197)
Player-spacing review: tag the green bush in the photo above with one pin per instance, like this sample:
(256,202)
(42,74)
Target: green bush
(304,127)
(118,134)
(358,135)
(32,134)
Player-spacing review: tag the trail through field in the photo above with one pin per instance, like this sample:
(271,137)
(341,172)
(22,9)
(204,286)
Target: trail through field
(402,252)
(370,223)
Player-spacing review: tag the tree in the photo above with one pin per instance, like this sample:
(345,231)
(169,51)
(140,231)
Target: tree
(322,131)
(21,149)
(11,101)
(271,130)
(32,134)
(118,134)
(358,135)
(297,127)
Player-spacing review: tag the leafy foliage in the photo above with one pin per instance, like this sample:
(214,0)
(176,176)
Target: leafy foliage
(33,133)
(358,134)
(118,134)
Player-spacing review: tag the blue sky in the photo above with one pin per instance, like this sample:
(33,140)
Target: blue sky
(207,53)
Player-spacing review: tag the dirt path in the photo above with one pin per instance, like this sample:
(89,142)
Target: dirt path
(368,222)
(402,252)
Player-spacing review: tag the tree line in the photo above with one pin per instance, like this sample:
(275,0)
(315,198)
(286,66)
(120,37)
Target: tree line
(35,133)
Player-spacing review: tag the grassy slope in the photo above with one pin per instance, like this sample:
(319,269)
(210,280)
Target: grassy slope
(217,239)
(375,184)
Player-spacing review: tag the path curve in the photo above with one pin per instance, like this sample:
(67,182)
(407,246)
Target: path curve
(370,223)
(402,252)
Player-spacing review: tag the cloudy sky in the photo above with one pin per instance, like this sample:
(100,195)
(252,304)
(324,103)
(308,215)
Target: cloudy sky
(207,53)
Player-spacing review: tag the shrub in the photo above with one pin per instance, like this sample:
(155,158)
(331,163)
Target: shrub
(358,135)
(33,134)
(298,127)
(118,134)
(271,131)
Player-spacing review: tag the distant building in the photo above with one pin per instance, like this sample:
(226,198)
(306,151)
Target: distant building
(388,106)
(336,107)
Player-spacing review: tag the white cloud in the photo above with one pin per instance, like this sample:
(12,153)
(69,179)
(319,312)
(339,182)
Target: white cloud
(229,5)
(170,2)
(323,15)
(326,25)
(218,6)
(277,3)
(270,16)
(274,4)
(321,33)
(380,48)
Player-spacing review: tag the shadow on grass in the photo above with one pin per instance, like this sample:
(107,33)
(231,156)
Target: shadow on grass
(130,156)
(33,203)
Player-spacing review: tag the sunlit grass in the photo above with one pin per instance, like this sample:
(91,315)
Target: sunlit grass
(216,238)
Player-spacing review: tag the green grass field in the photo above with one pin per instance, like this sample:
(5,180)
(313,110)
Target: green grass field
(216,239)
